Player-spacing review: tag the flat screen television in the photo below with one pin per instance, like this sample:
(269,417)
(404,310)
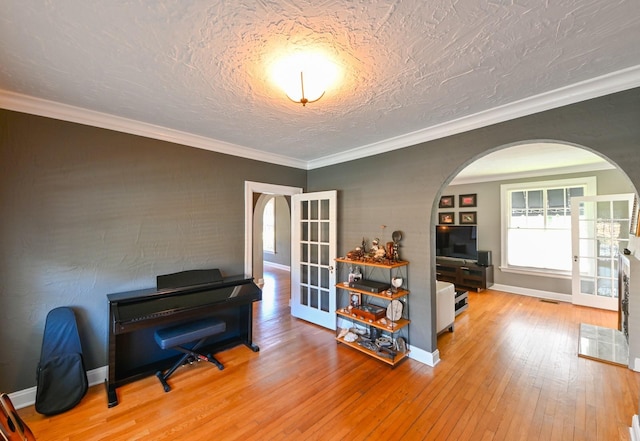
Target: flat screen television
(457,241)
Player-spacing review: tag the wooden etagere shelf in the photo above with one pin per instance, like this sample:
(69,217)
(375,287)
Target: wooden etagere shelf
(393,330)
(396,295)
(389,326)
(397,359)
(373,263)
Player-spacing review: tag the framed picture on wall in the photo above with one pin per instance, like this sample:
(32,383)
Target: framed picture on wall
(447,202)
(468,200)
(468,217)
(446,218)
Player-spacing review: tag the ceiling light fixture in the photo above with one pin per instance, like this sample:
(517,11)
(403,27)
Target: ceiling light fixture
(301,97)
(304,77)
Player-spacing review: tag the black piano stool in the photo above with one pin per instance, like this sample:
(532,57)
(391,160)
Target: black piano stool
(176,337)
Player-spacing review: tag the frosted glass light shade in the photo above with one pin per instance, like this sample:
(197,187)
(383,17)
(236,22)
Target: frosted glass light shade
(304,77)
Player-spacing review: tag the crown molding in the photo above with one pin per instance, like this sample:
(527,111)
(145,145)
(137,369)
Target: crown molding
(585,90)
(51,109)
(604,85)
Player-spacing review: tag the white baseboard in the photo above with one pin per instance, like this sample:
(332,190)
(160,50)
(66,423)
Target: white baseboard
(428,358)
(277,265)
(548,295)
(27,397)
(634,430)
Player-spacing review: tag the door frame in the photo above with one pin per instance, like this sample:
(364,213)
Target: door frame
(577,297)
(250,188)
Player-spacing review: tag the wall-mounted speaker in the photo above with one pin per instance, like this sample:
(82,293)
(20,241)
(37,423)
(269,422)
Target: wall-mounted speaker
(484,258)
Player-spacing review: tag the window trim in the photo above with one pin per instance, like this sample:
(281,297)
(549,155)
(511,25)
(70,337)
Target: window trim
(591,189)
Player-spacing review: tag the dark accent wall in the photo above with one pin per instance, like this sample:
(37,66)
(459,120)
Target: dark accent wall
(86,212)
(400,189)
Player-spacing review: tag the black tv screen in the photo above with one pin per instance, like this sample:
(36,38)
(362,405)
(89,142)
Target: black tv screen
(458,241)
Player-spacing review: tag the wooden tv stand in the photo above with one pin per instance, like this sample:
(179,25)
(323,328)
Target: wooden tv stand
(464,275)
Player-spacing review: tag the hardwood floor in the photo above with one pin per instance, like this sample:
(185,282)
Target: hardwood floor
(510,371)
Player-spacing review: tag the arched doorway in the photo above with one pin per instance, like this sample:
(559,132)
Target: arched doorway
(254,192)
(529,161)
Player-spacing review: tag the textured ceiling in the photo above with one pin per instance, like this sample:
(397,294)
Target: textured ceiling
(199,67)
(530,160)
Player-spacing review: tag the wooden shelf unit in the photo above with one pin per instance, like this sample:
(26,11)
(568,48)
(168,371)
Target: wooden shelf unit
(394,330)
(390,326)
(398,358)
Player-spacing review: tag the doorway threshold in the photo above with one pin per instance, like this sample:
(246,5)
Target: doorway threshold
(603,344)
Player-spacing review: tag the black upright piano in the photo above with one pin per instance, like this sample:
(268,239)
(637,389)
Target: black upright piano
(134,316)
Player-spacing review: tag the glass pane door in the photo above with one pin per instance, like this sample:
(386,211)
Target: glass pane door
(600,231)
(313,256)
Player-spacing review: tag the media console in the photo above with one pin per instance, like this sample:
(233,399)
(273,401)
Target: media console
(464,275)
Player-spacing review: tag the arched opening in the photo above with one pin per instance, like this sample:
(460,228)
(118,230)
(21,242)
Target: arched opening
(527,162)
(256,195)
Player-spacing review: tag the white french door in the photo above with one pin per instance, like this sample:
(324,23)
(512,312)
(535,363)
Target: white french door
(313,253)
(600,230)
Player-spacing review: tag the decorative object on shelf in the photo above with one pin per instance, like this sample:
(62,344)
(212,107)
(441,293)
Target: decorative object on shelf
(446,218)
(355,254)
(384,254)
(396,236)
(355,299)
(468,200)
(447,202)
(354,274)
(369,286)
(394,310)
(468,217)
(396,282)
(390,251)
(350,337)
(369,312)
(377,252)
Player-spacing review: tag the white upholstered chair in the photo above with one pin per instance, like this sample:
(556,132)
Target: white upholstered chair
(445,306)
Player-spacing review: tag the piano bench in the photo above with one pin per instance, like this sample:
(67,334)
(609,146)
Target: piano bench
(176,337)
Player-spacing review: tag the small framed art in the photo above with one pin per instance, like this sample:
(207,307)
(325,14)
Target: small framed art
(468,217)
(447,202)
(446,218)
(468,200)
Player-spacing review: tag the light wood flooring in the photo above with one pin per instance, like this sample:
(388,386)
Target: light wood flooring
(510,371)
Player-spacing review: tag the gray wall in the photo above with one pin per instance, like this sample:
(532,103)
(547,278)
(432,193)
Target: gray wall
(87,212)
(488,209)
(401,189)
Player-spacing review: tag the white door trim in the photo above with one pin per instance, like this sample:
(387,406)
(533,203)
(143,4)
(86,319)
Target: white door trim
(250,188)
